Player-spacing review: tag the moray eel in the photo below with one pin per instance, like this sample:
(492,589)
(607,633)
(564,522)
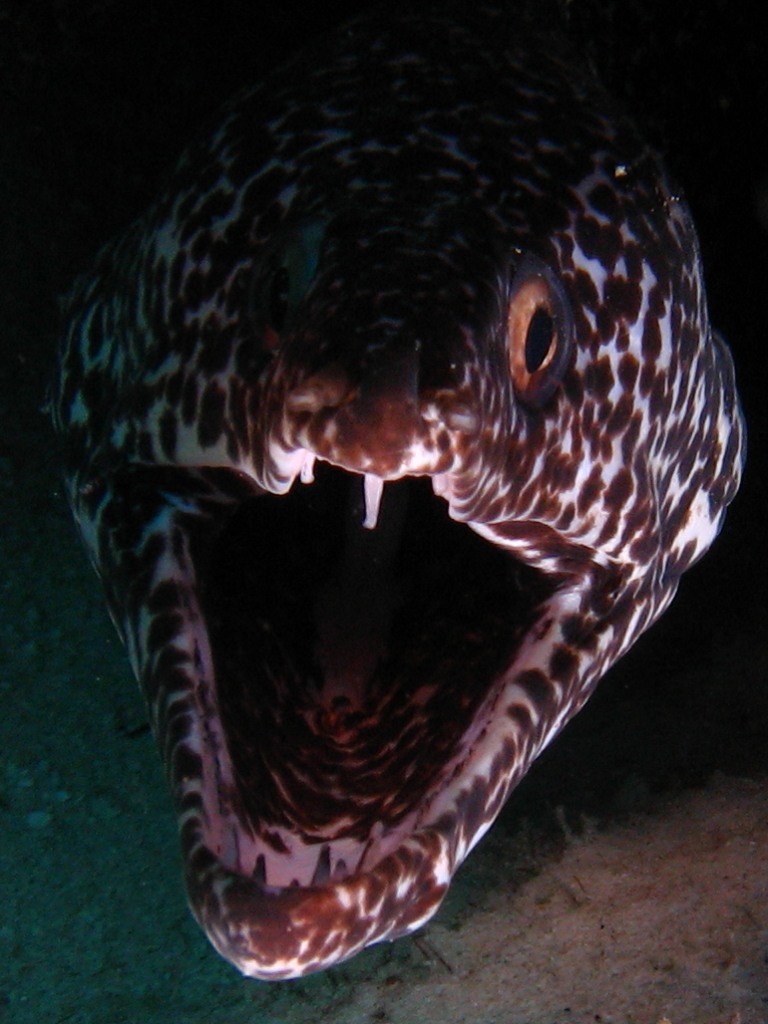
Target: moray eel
(389,428)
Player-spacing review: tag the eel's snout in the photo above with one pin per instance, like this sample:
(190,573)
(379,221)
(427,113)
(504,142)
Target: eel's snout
(368,419)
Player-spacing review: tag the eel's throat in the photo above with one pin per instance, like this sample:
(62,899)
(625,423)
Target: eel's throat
(353,668)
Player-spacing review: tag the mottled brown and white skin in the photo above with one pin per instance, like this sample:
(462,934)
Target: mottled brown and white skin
(389,428)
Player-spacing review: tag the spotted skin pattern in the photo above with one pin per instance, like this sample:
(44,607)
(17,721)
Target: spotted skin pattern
(430,254)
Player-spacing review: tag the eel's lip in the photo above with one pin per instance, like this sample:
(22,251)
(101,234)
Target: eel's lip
(330,804)
(294,931)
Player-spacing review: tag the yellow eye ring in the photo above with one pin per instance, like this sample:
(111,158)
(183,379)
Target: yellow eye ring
(539,332)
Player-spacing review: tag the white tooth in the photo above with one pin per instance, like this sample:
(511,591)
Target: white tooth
(372,488)
(307,472)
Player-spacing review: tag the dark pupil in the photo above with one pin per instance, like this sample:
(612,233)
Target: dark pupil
(538,340)
(278,298)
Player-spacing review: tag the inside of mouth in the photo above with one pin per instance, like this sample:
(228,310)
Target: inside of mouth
(352,663)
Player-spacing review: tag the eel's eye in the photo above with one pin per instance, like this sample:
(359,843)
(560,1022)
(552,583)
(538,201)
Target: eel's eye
(278,298)
(284,278)
(539,332)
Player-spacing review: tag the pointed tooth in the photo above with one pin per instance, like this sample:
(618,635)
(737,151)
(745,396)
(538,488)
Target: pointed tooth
(323,867)
(260,870)
(307,471)
(372,488)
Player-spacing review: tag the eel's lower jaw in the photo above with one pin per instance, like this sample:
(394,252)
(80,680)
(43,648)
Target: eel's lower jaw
(330,799)
(296,930)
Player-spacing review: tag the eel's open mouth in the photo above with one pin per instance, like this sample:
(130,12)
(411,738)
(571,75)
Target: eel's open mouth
(355,668)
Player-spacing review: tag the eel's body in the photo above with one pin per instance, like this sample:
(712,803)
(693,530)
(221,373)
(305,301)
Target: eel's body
(426,254)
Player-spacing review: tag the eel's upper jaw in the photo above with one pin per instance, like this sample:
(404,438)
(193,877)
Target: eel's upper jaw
(377,419)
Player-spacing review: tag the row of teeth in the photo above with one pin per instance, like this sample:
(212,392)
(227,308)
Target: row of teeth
(373,487)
